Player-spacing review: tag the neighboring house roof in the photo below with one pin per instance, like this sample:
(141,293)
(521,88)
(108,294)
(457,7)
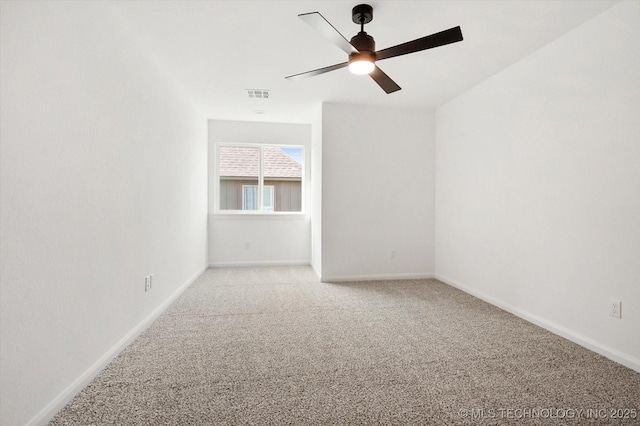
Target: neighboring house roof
(238,161)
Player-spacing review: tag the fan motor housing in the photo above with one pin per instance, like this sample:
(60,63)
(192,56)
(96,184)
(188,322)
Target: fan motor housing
(363,42)
(359,56)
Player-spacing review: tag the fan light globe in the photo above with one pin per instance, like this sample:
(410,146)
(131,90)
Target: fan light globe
(361,66)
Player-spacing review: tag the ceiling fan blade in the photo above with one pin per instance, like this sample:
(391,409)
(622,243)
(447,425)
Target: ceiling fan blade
(442,38)
(318,22)
(384,81)
(319,71)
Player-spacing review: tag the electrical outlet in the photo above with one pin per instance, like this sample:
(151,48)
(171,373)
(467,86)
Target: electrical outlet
(147,283)
(615,308)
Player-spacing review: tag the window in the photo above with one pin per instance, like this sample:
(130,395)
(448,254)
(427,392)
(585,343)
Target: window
(259,178)
(250,197)
(267,198)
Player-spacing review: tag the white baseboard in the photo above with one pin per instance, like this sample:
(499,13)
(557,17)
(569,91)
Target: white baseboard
(51,409)
(377,277)
(317,272)
(259,263)
(606,351)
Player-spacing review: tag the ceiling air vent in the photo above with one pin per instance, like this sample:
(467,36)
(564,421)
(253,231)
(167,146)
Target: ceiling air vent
(258,93)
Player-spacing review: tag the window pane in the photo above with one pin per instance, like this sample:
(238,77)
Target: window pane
(267,198)
(282,168)
(249,197)
(238,168)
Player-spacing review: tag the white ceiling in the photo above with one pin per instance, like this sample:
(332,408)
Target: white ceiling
(217,49)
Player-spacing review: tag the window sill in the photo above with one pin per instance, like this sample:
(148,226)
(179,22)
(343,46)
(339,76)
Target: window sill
(260,216)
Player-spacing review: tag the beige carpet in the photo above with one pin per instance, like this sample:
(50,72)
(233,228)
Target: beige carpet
(273,346)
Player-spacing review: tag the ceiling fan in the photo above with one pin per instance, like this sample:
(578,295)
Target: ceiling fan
(362,47)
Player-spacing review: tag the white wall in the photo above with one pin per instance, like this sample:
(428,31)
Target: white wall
(316,192)
(378,192)
(538,186)
(272,239)
(103,181)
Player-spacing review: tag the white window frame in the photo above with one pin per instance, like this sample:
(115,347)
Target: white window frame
(216,184)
